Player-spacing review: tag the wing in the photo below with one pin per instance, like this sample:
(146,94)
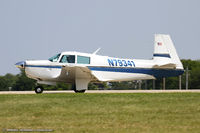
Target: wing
(71,72)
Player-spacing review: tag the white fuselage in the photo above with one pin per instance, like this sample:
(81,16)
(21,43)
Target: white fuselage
(103,68)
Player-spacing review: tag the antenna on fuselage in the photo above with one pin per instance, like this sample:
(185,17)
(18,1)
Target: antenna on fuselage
(96,51)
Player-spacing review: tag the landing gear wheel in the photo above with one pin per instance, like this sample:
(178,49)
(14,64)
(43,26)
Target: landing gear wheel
(39,89)
(79,91)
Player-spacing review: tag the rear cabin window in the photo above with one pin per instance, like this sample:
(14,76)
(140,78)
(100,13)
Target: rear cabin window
(83,60)
(68,59)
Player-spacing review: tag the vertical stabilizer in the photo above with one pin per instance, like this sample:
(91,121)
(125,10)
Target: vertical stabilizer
(165,52)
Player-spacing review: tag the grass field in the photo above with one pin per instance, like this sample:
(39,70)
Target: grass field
(102,113)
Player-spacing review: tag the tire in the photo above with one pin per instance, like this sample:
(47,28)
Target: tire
(79,91)
(39,89)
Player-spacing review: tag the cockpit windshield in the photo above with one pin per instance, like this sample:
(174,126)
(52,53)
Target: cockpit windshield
(54,58)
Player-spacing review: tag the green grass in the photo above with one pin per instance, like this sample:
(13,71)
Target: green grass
(101,113)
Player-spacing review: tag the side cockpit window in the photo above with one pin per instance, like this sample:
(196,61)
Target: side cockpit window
(68,59)
(83,60)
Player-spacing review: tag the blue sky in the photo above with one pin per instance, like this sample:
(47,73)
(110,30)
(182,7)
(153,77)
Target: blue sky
(38,29)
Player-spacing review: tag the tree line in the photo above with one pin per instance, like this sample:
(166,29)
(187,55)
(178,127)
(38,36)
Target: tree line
(20,82)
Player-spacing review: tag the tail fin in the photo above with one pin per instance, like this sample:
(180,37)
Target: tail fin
(165,55)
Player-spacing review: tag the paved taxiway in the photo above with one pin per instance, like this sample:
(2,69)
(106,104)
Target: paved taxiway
(104,91)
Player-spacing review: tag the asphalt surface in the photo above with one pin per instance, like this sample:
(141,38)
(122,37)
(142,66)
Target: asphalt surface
(104,91)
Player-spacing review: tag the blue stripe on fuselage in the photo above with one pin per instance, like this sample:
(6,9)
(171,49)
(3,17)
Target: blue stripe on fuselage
(158,73)
(150,71)
(40,66)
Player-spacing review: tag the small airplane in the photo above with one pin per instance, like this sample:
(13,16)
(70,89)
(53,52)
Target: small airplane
(79,69)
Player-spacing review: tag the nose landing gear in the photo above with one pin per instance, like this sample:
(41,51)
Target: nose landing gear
(39,89)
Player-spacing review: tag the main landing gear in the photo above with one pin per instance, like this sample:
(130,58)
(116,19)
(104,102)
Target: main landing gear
(39,89)
(77,91)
